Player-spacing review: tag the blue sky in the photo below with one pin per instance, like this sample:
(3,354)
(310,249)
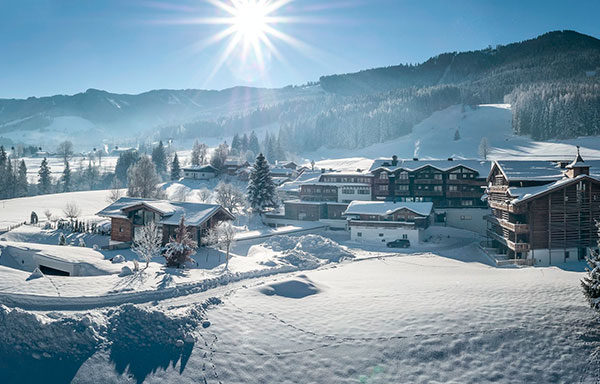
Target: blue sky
(63,47)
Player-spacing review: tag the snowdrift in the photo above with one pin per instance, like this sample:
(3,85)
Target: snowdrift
(74,261)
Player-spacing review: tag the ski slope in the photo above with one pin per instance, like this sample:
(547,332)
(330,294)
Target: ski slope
(433,138)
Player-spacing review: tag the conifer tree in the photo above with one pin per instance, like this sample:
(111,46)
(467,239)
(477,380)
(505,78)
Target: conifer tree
(253,144)
(236,144)
(199,152)
(4,182)
(22,184)
(261,189)
(175,169)
(66,177)
(456,135)
(159,158)
(591,281)
(244,143)
(44,179)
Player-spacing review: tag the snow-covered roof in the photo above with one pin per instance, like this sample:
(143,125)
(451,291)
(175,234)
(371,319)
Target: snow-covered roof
(355,173)
(332,184)
(170,211)
(539,170)
(201,168)
(482,167)
(281,170)
(306,202)
(522,194)
(382,208)
(294,185)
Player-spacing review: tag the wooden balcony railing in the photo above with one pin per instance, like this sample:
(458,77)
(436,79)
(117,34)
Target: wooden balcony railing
(517,228)
(517,247)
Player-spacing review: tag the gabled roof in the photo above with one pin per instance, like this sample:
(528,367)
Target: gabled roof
(479,166)
(201,168)
(539,170)
(170,211)
(382,208)
(522,194)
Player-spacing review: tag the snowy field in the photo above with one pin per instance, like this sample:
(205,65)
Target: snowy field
(433,138)
(15,211)
(403,318)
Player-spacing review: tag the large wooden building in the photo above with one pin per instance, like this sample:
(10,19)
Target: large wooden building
(129,214)
(544,211)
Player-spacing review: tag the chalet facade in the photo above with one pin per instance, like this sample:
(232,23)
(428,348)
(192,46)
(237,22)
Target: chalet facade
(446,183)
(129,215)
(233,164)
(200,172)
(544,211)
(382,222)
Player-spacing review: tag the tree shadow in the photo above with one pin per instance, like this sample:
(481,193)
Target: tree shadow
(28,368)
(166,276)
(209,258)
(141,359)
(147,341)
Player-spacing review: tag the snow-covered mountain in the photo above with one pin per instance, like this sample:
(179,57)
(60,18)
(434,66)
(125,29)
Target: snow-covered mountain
(92,115)
(434,137)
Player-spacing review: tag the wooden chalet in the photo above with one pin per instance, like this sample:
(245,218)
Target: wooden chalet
(544,211)
(129,214)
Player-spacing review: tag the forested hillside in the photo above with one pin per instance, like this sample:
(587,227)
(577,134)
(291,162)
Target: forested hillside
(552,82)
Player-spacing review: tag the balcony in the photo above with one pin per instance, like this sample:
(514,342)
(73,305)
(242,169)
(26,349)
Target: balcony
(498,189)
(517,228)
(517,247)
(429,181)
(505,206)
(423,192)
(463,194)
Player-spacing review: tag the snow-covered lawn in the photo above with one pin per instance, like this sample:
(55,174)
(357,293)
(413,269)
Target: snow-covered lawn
(15,211)
(402,318)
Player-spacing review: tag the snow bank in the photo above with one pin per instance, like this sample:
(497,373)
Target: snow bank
(57,335)
(292,289)
(308,251)
(76,261)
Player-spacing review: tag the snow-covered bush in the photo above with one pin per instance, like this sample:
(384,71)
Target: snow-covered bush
(118,259)
(180,248)
(62,240)
(125,271)
(315,245)
(591,281)
(81,242)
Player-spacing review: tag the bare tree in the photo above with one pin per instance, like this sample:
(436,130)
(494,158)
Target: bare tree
(71,210)
(180,194)
(484,148)
(230,197)
(223,236)
(115,191)
(148,242)
(65,150)
(48,214)
(199,152)
(204,195)
(143,181)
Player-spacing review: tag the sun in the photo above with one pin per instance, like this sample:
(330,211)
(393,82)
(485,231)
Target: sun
(250,19)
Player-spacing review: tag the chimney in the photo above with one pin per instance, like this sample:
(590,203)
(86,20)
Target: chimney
(394,160)
(415,159)
(450,159)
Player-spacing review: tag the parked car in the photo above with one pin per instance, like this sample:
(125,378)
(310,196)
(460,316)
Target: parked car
(400,243)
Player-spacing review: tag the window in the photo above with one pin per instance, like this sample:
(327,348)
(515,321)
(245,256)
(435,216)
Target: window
(452,188)
(404,236)
(359,234)
(364,191)
(383,176)
(465,217)
(467,202)
(567,254)
(438,176)
(383,188)
(437,188)
(453,176)
(402,187)
(348,191)
(381,235)
(403,176)
(383,240)
(120,229)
